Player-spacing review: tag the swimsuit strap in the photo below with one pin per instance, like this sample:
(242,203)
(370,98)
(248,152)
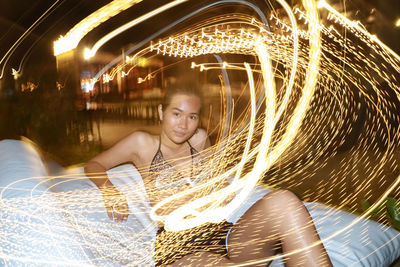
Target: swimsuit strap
(190,145)
(157,159)
(159,144)
(164,170)
(193,151)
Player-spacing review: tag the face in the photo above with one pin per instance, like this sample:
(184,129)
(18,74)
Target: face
(180,118)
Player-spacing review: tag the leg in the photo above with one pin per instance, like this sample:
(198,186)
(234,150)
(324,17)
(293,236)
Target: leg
(278,220)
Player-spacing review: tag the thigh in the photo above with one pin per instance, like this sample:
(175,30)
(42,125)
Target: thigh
(255,235)
(172,246)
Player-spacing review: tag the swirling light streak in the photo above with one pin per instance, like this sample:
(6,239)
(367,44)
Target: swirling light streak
(262,162)
(308,90)
(71,40)
(90,52)
(316,69)
(356,26)
(192,53)
(176,220)
(10,51)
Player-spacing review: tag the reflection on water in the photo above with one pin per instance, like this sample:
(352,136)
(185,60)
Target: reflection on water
(68,135)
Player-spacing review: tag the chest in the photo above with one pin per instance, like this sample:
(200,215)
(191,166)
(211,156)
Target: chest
(166,168)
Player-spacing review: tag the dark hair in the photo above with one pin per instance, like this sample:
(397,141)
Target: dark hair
(180,89)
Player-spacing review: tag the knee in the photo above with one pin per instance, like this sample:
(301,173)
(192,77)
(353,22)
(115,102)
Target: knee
(280,199)
(283,194)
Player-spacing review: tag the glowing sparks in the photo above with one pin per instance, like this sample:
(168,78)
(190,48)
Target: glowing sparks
(91,52)
(320,90)
(254,40)
(74,36)
(255,44)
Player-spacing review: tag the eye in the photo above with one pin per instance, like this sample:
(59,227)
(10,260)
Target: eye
(176,114)
(193,117)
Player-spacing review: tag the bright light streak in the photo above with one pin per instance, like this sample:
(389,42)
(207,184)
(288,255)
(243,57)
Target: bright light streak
(398,23)
(356,25)
(265,157)
(91,52)
(24,35)
(74,36)
(317,106)
(15,74)
(189,46)
(176,222)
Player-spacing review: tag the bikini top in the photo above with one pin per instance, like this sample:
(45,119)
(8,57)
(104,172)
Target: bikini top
(167,176)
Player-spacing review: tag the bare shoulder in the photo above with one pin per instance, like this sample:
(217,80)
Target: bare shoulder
(141,136)
(141,139)
(142,146)
(200,140)
(136,148)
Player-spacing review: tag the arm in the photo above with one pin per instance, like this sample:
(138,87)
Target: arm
(124,151)
(200,140)
(97,174)
(96,168)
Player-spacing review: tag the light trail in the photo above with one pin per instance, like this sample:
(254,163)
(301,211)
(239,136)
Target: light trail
(316,99)
(10,51)
(71,40)
(91,52)
(264,159)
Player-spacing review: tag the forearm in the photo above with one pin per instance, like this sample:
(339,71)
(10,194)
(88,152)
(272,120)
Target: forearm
(97,174)
(115,202)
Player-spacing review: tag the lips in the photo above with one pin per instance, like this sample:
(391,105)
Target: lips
(179,134)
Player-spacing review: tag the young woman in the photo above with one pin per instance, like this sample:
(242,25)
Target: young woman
(279,221)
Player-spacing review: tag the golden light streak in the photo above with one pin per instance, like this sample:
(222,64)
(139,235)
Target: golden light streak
(321,88)
(168,48)
(398,23)
(24,35)
(90,52)
(356,25)
(264,160)
(71,40)
(308,90)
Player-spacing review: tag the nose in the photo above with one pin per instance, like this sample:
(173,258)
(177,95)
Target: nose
(183,122)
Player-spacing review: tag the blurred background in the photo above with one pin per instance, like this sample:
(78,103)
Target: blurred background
(47,98)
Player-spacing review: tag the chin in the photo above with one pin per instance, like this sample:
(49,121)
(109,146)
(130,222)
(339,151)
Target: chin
(181,139)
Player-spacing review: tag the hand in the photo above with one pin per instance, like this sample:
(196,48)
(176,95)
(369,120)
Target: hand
(115,203)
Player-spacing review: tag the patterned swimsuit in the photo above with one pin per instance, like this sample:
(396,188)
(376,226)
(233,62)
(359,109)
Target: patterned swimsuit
(165,175)
(171,246)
